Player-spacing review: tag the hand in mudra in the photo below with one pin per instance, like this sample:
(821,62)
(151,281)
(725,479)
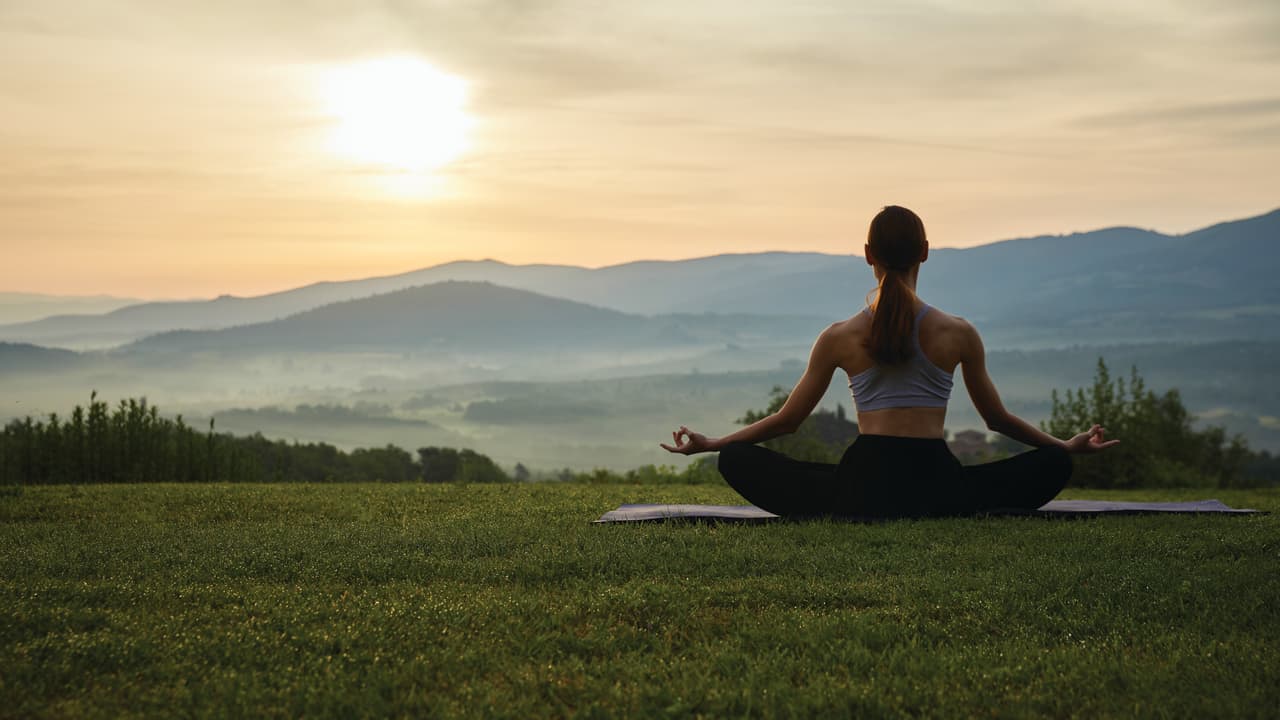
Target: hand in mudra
(1090,441)
(687,442)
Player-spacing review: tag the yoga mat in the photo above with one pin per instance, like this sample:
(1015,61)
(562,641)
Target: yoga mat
(1054,508)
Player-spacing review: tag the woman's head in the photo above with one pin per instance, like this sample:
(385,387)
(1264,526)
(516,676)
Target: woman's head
(896,240)
(896,246)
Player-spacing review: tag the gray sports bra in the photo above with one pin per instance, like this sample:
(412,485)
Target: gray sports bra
(915,383)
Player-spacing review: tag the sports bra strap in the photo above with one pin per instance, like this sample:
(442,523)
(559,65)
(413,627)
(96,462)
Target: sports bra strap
(915,383)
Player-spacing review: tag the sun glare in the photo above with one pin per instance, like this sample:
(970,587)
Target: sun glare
(400,113)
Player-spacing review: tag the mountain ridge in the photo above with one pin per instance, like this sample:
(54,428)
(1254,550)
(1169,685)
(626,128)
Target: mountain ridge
(1094,270)
(466,316)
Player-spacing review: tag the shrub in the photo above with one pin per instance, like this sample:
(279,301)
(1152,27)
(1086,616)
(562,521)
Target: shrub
(822,437)
(1158,445)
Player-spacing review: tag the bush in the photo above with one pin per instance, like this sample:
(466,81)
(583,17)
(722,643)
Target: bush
(699,472)
(1158,445)
(822,437)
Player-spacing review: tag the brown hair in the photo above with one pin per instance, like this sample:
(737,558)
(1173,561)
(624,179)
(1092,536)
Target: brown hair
(897,241)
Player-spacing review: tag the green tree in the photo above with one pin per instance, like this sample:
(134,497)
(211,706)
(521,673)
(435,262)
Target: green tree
(1158,447)
(449,465)
(822,437)
(387,464)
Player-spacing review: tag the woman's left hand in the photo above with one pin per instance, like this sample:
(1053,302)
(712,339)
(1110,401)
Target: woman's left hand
(1089,441)
(687,442)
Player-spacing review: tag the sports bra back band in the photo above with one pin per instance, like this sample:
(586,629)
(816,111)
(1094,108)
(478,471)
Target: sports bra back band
(915,383)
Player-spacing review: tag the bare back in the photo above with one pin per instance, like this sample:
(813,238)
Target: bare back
(944,339)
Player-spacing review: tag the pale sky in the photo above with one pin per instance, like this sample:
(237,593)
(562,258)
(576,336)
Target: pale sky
(182,148)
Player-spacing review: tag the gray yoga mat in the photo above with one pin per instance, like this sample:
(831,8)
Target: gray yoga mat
(1054,508)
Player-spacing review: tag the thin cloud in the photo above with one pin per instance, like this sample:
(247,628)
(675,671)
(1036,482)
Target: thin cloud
(1233,111)
(770,134)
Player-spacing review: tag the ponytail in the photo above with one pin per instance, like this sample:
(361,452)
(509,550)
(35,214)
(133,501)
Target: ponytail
(892,320)
(897,240)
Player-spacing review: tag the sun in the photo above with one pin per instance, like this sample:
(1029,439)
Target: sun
(400,113)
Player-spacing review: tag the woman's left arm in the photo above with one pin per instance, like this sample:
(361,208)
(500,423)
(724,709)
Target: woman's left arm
(802,400)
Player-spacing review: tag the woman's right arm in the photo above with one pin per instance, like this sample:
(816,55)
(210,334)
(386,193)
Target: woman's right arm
(802,400)
(986,400)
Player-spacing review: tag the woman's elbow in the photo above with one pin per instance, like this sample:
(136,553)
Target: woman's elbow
(785,425)
(997,423)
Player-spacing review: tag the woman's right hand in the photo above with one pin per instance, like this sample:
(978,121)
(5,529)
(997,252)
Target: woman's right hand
(1089,441)
(687,442)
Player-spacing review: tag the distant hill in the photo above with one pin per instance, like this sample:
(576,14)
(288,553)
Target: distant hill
(467,317)
(1103,286)
(1106,286)
(23,357)
(634,287)
(28,307)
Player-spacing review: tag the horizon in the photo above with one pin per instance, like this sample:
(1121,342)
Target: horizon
(174,150)
(394,273)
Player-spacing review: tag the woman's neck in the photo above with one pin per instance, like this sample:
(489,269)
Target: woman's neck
(909,278)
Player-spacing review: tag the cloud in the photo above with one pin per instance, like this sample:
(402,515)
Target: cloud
(1252,108)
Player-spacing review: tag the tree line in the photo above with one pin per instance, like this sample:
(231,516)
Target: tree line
(133,443)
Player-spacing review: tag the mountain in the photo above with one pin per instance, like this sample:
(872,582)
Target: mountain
(1106,286)
(24,357)
(632,287)
(27,307)
(1103,286)
(83,331)
(468,317)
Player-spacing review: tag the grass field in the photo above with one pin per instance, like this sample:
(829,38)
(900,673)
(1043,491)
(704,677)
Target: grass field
(413,600)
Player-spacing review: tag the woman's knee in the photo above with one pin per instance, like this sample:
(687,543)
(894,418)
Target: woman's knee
(1059,461)
(1057,467)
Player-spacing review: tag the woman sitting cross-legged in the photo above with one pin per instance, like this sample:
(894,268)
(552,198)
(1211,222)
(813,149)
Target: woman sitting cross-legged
(900,355)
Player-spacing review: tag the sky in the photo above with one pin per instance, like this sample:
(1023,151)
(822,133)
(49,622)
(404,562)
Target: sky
(185,148)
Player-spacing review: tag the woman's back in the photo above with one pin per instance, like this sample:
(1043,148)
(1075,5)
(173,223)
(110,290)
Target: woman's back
(907,399)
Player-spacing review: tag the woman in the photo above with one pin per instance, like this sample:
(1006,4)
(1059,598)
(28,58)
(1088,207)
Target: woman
(900,355)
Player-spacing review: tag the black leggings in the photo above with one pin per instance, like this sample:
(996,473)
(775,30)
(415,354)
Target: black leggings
(887,476)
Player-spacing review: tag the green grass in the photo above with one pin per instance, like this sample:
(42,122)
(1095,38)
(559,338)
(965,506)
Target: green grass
(412,600)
